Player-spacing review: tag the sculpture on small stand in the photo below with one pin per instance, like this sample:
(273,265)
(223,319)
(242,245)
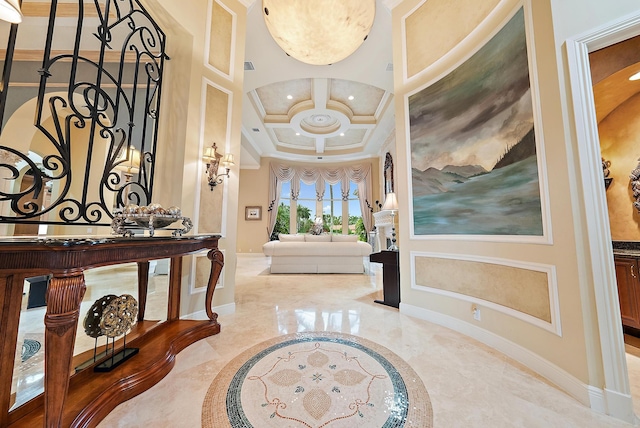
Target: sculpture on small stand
(635,186)
(92,327)
(605,170)
(111,316)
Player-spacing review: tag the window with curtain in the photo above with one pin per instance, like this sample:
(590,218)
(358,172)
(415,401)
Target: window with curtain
(340,195)
(332,204)
(332,208)
(306,209)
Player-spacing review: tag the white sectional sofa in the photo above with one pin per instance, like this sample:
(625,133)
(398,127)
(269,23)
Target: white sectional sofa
(317,254)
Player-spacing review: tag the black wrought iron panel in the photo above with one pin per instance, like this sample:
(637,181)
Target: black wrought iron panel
(100,113)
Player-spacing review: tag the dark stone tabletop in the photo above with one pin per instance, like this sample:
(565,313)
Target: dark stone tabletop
(626,248)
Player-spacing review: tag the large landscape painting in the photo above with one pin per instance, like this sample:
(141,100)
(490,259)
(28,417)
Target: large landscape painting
(473,149)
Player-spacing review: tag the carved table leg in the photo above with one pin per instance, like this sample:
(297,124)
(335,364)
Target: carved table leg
(143,286)
(217,262)
(64,296)
(10,302)
(175,285)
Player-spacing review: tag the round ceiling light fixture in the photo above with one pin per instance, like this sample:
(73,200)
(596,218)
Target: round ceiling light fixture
(319,32)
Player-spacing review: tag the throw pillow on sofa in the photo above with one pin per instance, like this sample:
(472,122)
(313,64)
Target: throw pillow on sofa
(285,237)
(317,238)
(344,238)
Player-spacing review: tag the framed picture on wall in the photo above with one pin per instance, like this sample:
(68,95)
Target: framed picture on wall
(253,213)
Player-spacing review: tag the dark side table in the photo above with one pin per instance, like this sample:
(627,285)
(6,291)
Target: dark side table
(390,276)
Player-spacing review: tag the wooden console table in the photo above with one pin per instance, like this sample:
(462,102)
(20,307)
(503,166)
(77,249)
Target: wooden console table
(85,398)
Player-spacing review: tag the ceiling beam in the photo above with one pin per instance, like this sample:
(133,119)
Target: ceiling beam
(320,99)
(320,93)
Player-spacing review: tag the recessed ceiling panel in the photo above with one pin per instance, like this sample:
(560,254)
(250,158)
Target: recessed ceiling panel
(350,138)
(288,136)
(275,97)
(361,98)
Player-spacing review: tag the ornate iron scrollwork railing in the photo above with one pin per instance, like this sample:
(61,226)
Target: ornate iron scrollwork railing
(107,109)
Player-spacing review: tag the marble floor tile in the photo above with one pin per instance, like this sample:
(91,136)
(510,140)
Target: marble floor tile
(470,384)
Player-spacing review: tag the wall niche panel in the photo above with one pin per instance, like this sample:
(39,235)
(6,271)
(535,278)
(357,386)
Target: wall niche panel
(221,41)
(215,128)
(524,290)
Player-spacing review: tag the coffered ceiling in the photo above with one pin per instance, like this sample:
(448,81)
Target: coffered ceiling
(291,110)
(313,116)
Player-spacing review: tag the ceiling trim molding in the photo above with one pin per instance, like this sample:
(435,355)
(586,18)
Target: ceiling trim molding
(247,135)
(384,104)
(363,122)
(257,103)
(345,158)
(248,3)
(390,4)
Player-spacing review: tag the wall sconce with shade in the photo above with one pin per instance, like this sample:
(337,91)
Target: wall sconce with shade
(213,160)
(129,163)
(391,204)
(10,11)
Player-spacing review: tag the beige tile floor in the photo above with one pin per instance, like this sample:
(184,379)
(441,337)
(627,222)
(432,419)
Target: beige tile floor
(470,385)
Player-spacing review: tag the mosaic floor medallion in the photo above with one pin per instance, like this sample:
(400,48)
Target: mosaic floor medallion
(317,379)
(29,348)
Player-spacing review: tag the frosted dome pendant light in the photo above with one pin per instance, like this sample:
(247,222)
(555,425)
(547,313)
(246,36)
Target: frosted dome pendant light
(319,32)
(10,11)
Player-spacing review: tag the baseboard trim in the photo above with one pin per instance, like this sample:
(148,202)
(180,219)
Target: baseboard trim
(588,395)
(620,405)
(227,309)
(596,399)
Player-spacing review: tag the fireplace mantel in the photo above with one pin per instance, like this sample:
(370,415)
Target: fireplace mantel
(383,222)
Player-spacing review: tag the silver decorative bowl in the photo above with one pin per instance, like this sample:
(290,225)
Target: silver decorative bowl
(125,223)
(158,221)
